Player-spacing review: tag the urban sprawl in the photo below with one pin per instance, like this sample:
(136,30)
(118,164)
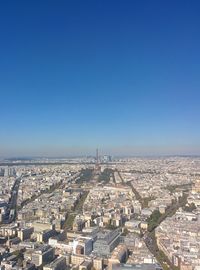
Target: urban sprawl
(100,213)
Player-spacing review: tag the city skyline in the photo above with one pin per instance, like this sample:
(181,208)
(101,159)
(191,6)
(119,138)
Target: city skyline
(118,152)
(121,76)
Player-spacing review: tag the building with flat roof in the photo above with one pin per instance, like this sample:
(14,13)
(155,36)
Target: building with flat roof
(57,264)
(106,242)
(143,266)
(25,233)
(85,242)
(43,255)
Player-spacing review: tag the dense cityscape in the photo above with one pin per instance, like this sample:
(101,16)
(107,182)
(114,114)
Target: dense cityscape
(99,135)
(100,213)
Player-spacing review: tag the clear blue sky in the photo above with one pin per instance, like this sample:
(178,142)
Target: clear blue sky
(120,75)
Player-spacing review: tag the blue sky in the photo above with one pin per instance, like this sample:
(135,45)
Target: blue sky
(123,76)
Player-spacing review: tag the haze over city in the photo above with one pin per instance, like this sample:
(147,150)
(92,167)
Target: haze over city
(100,135)
(119,75)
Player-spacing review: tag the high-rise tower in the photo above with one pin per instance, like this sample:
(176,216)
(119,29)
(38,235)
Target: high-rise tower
(97,156)
(97,165)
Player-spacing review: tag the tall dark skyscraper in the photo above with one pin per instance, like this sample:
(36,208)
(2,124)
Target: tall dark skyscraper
(97,156)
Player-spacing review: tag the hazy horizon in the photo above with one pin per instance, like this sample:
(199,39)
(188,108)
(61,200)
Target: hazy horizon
(116,151)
